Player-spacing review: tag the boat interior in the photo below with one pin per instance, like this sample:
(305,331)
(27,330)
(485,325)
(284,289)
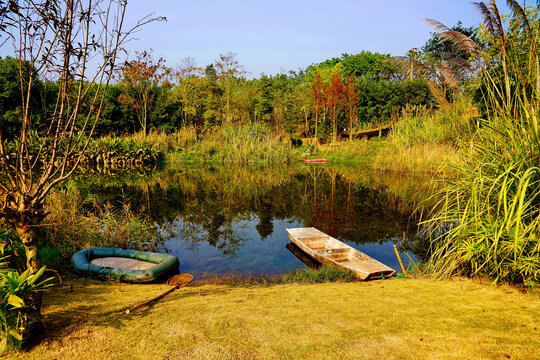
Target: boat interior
(333,249)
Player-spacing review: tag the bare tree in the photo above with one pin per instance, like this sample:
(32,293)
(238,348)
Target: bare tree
(75,43)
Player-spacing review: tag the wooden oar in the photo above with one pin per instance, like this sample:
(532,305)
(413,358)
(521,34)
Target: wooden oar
(400,263)
(176,282)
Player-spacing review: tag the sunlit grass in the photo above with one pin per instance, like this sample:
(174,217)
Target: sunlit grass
(392,319)
(252,143)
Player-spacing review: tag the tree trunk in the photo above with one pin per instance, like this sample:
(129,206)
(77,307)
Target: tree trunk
(350,125)
(31,321)
(28,238)
(145,120)
(316,127)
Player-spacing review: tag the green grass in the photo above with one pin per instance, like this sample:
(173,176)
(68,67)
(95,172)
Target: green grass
(300,276)
(392,319)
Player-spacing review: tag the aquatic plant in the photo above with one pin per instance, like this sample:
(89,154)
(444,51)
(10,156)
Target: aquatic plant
(323,274)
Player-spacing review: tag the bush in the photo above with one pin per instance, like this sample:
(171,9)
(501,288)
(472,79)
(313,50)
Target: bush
(16,287)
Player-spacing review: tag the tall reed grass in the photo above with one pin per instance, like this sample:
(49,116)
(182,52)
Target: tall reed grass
(251,143)
(424,140)
(487,221)
(154,140)
(75,221)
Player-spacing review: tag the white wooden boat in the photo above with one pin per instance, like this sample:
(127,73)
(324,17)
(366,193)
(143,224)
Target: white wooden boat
(333,252)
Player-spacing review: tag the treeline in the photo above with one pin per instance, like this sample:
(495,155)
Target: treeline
(325,98)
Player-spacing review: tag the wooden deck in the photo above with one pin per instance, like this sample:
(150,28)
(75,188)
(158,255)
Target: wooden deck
(333,252)
(368,133)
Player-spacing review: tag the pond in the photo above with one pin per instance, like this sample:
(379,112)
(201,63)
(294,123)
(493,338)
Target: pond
(231,220)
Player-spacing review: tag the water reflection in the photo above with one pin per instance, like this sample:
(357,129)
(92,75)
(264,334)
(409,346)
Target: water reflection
(302,256)
(232,219)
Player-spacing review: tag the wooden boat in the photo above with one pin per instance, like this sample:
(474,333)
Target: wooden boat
(309,261)
(316,161)
(333,252)
(125,265)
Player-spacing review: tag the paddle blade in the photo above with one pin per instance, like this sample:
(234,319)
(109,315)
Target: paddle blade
(180,279)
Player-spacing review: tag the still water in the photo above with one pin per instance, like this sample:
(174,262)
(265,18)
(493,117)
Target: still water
(232,220)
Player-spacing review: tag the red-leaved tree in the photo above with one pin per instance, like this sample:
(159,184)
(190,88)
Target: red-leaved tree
(140,78)
(336,101)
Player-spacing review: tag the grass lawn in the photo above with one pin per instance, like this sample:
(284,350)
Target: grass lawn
(392,319)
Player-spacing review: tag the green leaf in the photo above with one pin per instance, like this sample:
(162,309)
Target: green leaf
(33,278)
(15,334)
(15,301)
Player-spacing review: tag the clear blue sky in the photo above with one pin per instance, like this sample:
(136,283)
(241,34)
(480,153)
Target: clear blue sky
(270,36)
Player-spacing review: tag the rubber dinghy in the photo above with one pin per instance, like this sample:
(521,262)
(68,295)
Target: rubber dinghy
(126,265)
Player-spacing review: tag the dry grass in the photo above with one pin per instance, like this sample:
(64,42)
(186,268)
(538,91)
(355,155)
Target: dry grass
(396,319)
(418,159)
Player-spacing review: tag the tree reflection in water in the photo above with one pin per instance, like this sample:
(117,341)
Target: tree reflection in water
(237,216)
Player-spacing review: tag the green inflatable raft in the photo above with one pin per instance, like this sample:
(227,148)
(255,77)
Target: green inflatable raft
(125,265)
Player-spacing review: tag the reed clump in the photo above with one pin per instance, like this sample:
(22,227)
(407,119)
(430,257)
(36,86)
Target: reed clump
(251,143)
(486,222)
(76,221)
(424,139)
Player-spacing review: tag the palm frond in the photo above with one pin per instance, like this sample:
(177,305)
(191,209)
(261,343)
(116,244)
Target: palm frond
(438,95)
(463,42)
(520,14)
(487,15)
(448,75)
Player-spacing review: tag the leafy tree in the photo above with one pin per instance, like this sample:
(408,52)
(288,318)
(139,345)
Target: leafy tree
(319,91)
(265,97)
(227,71)
(284,114)
(303,97)
(11,109)
(166,113)
(116,117)
(351,104)
(141,78)
(438,48)
(213,93)
(189,90)
(444,61)
(365,64)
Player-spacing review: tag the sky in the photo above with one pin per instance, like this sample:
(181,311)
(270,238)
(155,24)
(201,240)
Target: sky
(272,36)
